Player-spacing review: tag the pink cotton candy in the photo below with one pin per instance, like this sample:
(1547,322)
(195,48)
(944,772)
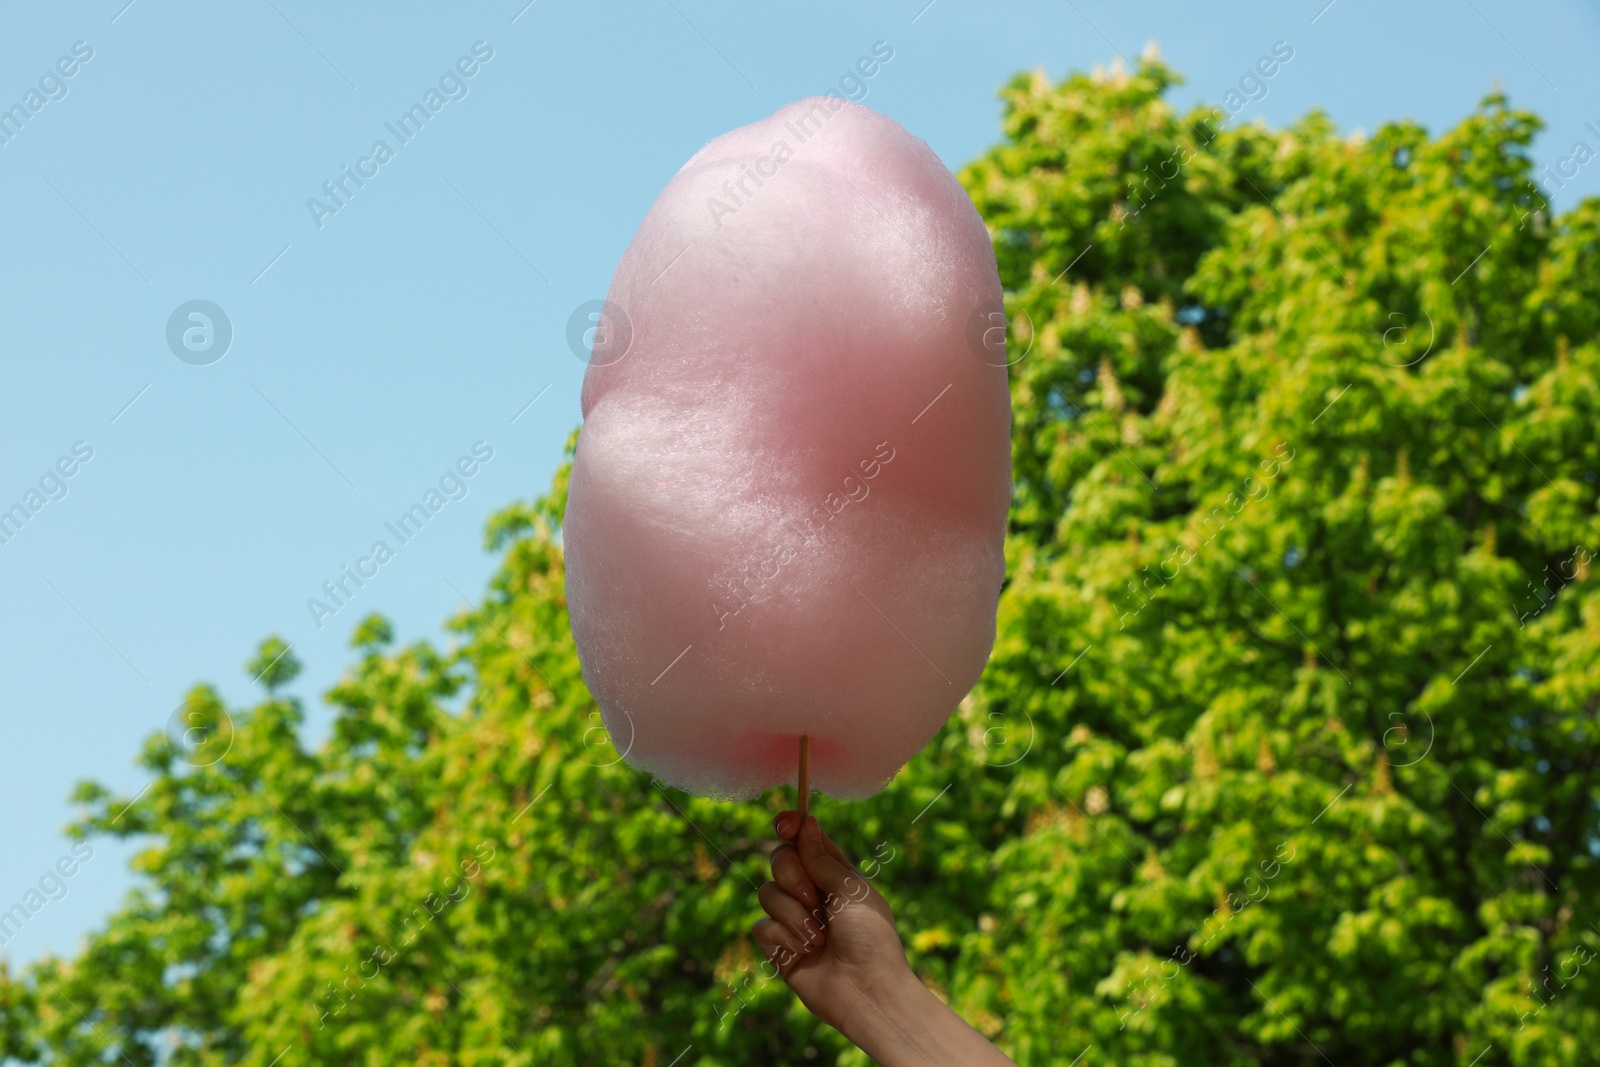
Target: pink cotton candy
(788,503)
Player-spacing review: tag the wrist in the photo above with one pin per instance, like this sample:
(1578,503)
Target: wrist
(887,1017)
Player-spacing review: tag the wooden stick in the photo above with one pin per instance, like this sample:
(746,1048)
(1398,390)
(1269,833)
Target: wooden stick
(805,777)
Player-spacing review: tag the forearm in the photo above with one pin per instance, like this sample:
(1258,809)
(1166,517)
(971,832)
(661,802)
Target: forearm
(905,1025)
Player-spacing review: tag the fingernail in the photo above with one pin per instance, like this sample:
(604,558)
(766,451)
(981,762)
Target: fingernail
(777,823)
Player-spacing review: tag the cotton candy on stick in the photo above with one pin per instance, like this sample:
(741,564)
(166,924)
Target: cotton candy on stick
(786,511)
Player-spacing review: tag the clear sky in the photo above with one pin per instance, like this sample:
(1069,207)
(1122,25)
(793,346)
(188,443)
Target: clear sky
(373,346)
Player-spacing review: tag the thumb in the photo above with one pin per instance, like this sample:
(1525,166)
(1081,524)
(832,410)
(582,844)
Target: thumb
(828,873)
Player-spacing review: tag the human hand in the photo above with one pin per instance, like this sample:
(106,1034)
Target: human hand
(831,933)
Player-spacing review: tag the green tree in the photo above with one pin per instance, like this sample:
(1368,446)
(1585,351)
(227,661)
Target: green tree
(1286,752)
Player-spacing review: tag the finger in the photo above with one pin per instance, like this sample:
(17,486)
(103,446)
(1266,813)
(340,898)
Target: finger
(786,823)
(795,917)
(826,871)
(790,874)
(835,851)
(777,944)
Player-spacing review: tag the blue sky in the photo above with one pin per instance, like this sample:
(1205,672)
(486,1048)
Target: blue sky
(375,346)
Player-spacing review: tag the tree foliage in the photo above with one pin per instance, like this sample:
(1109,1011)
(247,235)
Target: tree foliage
(1286,752)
